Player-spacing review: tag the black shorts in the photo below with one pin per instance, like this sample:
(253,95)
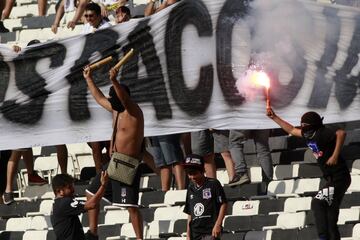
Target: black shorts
(118,193)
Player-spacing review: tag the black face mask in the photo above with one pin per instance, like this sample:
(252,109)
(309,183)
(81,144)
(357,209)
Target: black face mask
(308,132)
(116,104)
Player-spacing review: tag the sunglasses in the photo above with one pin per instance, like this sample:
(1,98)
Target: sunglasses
(89,15)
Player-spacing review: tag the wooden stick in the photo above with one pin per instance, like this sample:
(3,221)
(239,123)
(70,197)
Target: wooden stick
(267,98)
(124,59)
(100,63)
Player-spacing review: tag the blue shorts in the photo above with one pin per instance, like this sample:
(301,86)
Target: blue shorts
(166,150)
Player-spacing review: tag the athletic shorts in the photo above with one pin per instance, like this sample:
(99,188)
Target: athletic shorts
(221,140)
(118,193)
(166,150)
(202,143)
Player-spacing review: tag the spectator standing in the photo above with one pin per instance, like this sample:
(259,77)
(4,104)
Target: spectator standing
(128,140)
(326,145)
(4,158)
(12,166)
(202,143)
(237,140)
(168,157)
(5,9)
(206,202)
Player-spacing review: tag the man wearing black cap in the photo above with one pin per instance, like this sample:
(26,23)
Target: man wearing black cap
(205,202)
(326,145)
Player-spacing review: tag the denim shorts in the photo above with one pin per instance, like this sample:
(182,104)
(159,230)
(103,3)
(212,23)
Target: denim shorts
(166,150)
(221,140)
(202,142)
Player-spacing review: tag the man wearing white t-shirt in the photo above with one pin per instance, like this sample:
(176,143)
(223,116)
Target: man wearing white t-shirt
(94,19)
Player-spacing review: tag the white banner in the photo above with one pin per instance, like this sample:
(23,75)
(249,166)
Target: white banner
(189,71)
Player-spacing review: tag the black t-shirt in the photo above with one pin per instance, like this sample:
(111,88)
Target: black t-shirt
(203,204)
(65,218)
(322,146)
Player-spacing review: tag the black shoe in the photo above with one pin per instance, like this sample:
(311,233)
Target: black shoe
(8,198)
(239,179)
(3,29)
(90,236)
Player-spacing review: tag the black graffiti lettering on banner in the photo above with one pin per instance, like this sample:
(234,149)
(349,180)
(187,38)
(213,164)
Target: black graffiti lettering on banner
(231,12)
(322,87)
(104,42)
(282,95)
(346,85)
(152,87)
(31,84)
(4,78)
(192,101)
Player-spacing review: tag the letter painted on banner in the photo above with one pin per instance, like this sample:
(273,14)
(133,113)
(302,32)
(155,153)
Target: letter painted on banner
(141,40)
(104,42)
(321,91)
(195,13)
(347,85)
(231,12)
(30,83)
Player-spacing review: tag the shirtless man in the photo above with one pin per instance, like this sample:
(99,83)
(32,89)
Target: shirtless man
(129,137)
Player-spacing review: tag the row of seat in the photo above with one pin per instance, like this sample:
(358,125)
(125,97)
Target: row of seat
(173,230)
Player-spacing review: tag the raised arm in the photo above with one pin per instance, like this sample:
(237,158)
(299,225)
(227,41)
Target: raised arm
(59,14)
(95,91)
(78,14)
(92,202)
(340,139)
(165,4)
(150,8)
(290,129)
(121,93)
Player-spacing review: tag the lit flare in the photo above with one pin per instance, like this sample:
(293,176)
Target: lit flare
(260,78)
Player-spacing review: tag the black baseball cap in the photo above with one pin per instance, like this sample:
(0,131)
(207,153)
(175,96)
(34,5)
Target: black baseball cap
(194,161)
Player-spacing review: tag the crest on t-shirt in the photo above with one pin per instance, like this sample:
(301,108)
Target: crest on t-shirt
(207,193)
(123,192)
(74,203)
(199,209)
(315,149)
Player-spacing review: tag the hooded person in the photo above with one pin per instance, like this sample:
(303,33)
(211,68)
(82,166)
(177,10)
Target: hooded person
(310,123)
(325,144)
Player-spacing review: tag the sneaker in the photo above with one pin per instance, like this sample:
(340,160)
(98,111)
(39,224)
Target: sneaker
(90,236)
(8,198)
(239,179)
(3,29)
(35,179)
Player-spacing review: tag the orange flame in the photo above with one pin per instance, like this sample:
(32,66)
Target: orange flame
(260,78)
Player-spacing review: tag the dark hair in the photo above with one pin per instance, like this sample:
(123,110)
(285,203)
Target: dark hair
(112,92)
(60,181)
(312,118)
(32,42)
(93,7)
(124,9)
